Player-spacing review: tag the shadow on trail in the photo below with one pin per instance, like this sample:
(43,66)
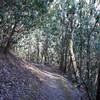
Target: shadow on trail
(20,80)
(55,86)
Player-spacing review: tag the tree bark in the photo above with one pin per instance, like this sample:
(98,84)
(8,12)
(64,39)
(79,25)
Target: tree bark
(98,79)
(98,86)
(9,39)
(73,60)
(62,54)
(88,57)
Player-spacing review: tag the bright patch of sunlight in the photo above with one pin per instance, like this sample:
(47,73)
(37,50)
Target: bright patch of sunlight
(87,1)
(77,0)
(97,5)
(54,3)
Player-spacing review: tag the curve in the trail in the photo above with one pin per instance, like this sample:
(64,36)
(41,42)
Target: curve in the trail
(56,87)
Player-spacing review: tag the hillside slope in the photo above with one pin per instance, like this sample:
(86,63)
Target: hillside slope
(20,80)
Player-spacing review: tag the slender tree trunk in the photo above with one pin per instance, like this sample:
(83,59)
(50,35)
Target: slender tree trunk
(98,78)
(80,64)
(88,57)
(63,45)
(7,46)
(62,54)
(65,52)
(65,60)
(45,50)
(98,86)
(38,50)
(73,60)
(81,40)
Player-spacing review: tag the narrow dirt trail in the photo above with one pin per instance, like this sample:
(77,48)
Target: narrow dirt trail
(51,89)
(56,87)
(21,80)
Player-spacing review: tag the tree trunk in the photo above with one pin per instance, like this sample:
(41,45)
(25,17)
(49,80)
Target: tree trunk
(98,86)
(9,39)
(45,49)
(80,63)
(38,50)
(98,78)
(63,46)
(72,57)
(62,54)
(65,52)
(88,57)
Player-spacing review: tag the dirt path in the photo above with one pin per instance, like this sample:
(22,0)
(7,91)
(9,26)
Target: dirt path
(21,80)
(56,87)
(51,89)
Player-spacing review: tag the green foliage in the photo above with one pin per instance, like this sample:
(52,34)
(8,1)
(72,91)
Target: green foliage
(44,28)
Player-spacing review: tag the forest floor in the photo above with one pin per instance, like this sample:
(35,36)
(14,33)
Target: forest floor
(21,80)
(55,86)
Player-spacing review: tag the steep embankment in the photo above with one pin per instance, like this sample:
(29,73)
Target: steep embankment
(20,80)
